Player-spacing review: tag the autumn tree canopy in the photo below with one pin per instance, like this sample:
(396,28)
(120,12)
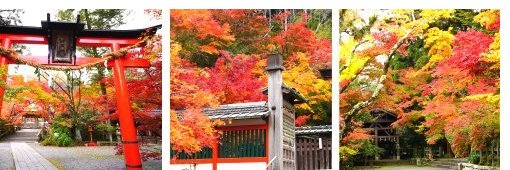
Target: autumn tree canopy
(218,57)
(438,70)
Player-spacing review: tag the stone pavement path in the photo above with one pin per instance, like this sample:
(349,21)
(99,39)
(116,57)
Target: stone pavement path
(75,158)
(6,162)
(23,135)
(18,155)
(27,158)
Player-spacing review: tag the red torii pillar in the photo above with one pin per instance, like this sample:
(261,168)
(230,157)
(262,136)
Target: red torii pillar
(126,119)
(4,65)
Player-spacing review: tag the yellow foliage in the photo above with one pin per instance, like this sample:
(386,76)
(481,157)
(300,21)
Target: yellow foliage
(492,56)
(439,44)
(352,64)
(353,68)
(406,20)
(435,14)
(346,50)
(175,49)
(346,152)
(487,18)
(302,76)
(491,98)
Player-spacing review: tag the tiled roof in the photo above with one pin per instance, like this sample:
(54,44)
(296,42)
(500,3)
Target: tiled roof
(306,130)
(238,111)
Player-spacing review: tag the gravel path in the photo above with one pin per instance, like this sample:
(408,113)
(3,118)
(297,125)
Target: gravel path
(97,158)
(79,158)
(6,161)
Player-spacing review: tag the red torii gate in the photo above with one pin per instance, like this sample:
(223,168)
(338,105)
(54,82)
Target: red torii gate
(114,39)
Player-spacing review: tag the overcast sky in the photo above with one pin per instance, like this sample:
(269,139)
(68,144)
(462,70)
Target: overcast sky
(135,20)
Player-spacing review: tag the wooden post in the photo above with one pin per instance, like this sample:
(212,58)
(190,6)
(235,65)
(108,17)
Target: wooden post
(275,104)
(398,148)
(376,130)
(281,100)
(215,155)
(4,65)
(126,120)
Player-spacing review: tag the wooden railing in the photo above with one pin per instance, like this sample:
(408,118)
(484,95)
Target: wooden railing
(243,143)
(237,144)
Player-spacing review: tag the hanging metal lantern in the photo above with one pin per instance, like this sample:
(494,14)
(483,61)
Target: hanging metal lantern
(62,40)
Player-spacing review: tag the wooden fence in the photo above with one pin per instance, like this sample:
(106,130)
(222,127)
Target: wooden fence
(234,143)
(243,143)
(310,156)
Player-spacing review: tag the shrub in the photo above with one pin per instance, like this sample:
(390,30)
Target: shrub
(474,158)
(5,129)
(59,133)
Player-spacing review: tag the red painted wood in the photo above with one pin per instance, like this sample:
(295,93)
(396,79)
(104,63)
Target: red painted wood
(215,159)
(215,156)
(219,160)
(126,119)
(133,63)
(4,64)
(80,61)
(242,160)
(43,60)
(25,39)
(267,144)
(82,41)
(191,161)
(104,42)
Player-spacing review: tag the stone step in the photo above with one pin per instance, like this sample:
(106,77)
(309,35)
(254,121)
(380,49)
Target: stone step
(23,135)
(447,163)
(445,167)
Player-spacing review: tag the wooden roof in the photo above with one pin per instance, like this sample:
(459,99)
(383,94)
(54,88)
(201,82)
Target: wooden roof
(96,33)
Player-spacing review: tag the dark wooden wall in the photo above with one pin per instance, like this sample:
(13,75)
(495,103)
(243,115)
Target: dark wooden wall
(310,157)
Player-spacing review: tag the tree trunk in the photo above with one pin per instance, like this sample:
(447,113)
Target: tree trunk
(380,84)
(101,75)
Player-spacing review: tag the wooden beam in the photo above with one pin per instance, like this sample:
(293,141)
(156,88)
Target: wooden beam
(132,63)
(25,39)
(80,42)
(128,63)
(43,60)
(105,42)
